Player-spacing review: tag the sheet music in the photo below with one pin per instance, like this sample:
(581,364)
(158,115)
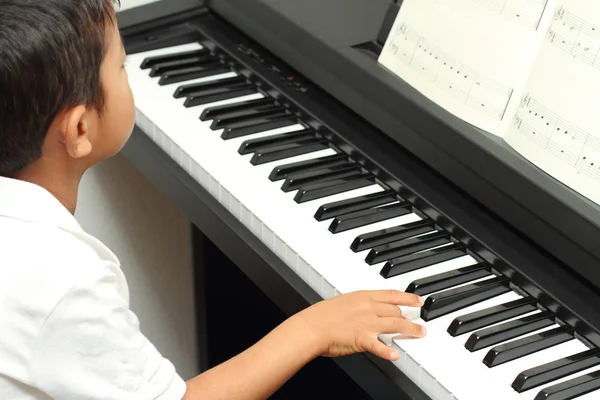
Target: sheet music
(471,57)
(557,126)
(528,12)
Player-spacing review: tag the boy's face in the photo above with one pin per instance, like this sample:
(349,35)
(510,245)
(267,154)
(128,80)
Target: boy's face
(110,130)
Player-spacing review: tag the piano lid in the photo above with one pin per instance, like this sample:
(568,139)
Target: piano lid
(332,43)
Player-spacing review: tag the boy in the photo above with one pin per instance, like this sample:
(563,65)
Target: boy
(66,330)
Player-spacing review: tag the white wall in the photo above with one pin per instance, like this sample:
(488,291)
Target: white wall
(152,240)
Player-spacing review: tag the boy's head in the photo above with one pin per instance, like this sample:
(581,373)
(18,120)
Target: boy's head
(65,101)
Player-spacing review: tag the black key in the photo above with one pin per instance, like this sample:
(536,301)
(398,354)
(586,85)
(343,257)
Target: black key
(257,125)
(198,71)
(329,188)
(446,280)
(282,171)
(571,389)
(383,236)
(528,345)
(287,151)
(407,246)
(448,301)
(171,66)
(331,210)
(296,180)
(555,370)
(192,89)
(213,112)
(357,219)
(492,315)
(218,93)
(247,114)
(152,61)
(509,330)
(415,261)
(275,141)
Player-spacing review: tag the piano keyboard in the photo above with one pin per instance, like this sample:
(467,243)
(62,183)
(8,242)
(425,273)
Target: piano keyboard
(342,230)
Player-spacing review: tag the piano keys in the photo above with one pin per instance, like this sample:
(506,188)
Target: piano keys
(340,227)
(317,242)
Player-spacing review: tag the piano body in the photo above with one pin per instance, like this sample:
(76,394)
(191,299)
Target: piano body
(271,125)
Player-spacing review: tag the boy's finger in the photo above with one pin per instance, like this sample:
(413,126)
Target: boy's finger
(388,310)
(401,326)
(374,346)
(398,297)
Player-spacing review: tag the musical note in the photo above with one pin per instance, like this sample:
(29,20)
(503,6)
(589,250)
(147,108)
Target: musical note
(465,84)
(526,12)
(559,137)
(576,37)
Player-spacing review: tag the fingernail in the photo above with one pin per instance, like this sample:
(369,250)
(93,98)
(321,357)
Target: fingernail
(394,355)
(421,300)
(423,330)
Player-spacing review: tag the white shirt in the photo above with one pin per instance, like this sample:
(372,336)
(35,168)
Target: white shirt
(66,330)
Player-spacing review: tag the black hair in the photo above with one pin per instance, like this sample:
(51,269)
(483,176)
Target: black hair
(51,52)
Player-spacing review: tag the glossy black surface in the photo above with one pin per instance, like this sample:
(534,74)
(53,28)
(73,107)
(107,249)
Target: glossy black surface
(412,262)
(268,142)
(360,218)
(572,388)
(446,280)
(297,180)
(527,345)
(555,370)
(508,330)
(329,188)
(282,171)
(383,236)
(405,247)
(217,111)
(331,210)
(448,301)
(489,316)
(282,152)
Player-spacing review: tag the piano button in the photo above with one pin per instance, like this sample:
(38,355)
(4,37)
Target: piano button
(509,330)
(282,171)
(365,217)
(329,188)
(408,246)
(295,181)
(449,279)
(448,301)
(252,126)
(527,345)
(377,238)
(423,259)
(282,152)
(332,210)
(213,112)
(186,74)
(247,114)
(202,87)
(493,315)
(166,58)
(571,389)
(275,141)
(555,370)
(172,66)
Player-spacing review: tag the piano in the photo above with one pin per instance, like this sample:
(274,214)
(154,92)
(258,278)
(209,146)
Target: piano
(318,172)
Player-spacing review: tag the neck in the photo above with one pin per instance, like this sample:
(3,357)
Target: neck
(64,185)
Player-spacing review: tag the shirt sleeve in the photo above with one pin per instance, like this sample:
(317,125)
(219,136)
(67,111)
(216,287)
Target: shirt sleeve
(91,347)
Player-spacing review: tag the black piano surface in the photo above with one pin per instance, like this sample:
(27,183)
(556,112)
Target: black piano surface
(528,226)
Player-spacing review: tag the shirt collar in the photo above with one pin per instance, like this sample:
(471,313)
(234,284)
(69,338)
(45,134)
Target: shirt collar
(32,203)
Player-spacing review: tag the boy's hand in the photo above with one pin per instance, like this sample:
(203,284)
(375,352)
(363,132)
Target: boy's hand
(350,323)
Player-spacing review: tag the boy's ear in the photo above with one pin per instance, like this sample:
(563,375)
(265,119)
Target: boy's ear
(74,132)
